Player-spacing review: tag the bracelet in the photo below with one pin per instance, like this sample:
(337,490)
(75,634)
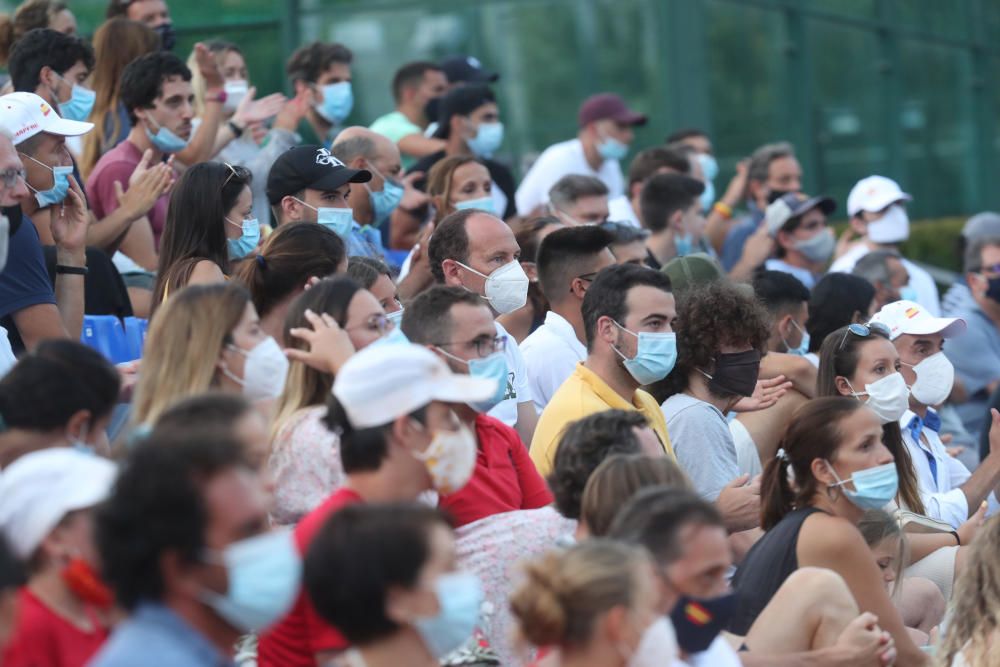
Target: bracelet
(235,129)
(723,209)
(219,97)
(72,270)
(958,540)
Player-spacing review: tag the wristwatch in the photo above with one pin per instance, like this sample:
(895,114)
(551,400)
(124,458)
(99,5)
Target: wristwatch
(235,129)
(72,270)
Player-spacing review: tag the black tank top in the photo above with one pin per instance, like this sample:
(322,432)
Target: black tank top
(765,568)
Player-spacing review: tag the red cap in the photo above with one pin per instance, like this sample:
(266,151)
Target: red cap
(608,105)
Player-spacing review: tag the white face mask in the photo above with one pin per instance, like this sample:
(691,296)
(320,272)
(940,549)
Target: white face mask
(935,378)
(264,370)
(236,90)
(4,240)
(506,288)
(450,459)
(657,647)
(893,227)
(888,397)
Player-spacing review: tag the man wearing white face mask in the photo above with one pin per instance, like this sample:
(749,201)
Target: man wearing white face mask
(877,207)
(392,406)
(478,251)
(950,493)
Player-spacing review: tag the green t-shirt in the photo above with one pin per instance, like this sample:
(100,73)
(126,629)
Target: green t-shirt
(395,126)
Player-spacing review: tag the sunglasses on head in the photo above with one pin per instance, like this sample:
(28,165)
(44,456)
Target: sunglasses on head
(863,331)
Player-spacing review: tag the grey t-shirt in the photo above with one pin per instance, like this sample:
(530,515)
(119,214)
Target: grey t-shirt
(976,357)
(702,443)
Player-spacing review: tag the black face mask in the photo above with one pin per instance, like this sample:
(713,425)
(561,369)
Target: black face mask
(431,109)
(168,37)
(993,289)
(13,214)
(735,374)
(697,622)
(775,195)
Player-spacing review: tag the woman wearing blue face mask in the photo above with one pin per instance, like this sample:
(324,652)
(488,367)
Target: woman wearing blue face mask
(834,453)
(384,575)
(210,224)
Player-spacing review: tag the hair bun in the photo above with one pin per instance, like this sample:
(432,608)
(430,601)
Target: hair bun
(538,602)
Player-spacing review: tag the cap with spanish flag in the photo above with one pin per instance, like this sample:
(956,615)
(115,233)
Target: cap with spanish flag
(908,317)
(27,114)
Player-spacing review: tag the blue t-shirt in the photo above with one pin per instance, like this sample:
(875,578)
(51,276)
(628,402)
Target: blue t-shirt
(732,247)
(25,280)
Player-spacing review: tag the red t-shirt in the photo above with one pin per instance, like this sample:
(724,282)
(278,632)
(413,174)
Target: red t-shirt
(296,639)
(505,478)
(41,638)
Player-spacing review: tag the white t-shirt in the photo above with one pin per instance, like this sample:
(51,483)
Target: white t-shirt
(718,654)
(7,358)
(518,389)
(804,275)
(551,353)
(557,161)
(620,210)
(920,280)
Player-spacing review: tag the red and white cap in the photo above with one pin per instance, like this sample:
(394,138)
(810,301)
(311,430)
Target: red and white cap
(873,194)
(25,114)
(908,317)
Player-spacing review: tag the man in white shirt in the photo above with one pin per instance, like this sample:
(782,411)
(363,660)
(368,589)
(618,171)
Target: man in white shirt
(603,139)
(579,200)
(950,493)
(877,207)
(645,165)
(568,260)
(476,250)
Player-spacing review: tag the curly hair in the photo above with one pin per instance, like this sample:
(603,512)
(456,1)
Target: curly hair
(709,318)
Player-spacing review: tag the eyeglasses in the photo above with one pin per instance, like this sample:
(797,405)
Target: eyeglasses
(9,177)
(484,346)
(863,331)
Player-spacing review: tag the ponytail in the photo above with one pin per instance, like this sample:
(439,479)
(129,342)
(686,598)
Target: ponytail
(777,495)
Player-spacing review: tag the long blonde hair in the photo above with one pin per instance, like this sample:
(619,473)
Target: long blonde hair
(219,49)
(183,346)
(976,602)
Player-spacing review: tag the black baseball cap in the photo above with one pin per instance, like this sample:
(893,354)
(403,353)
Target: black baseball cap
(309,167)
(466,69)
(461,101)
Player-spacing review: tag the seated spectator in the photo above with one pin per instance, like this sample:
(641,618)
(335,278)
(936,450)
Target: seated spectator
(288,260)
(646,164)
(414,85)
(980,226)
(305,455)
(885,271)
(594,603)
(803,242)
(47,501)
(529,235)
(877,208)
(153,13)
(207,337)
(671,211)
(831,442)
(458,326)
(11,579)
(369,571)
(628,314)
(31,15)
(61,394)
(692,271)
(374,275)
(837,300)
(628,244)
(320,74)
(399,437)
(210,224)
(567,262)
(185,524)
(577,199)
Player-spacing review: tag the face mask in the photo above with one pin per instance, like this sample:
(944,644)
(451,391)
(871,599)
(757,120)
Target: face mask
(384,202)
(4,239)
(337,220)
(803,348)
(488,138)
(264,371)
(459,597)
(482,204)
(888,397)
(60,185)
(684,244)
(698,622)
(735,374)
(610,148)
(710,168)
(247,241)
(168,37)
(86,584)
(493,367)
(165,140)
(819,248)
(264,573)
(992,290)
(657,647)
(892,227)
(338,100)
(935,378)
(707,198)
(236,90)
(506,288)
(654,358)
(874,488)
(395,317)
(79,104)
(450,459)
(908,293)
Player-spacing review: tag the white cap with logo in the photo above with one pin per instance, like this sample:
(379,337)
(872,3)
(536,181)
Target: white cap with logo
(908,317)
(383,382)
(25,114)
(873,194)
(40,488)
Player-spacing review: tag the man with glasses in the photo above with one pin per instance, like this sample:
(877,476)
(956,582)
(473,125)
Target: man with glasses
(458,325)
(568,260)
(12,191)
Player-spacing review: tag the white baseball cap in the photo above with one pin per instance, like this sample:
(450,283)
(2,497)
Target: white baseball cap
(27,114)
(40,488)
(908,317)
(382,382)
(873,194)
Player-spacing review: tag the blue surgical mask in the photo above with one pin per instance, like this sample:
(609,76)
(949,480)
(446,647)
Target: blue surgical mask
(243,245)
(493,367)
(610,148)
(874,488)
(483,204)
(488,138)
(654,358)
(60,185)
(264,574)
(338,100)
(80,103)
(396,317)
(337,220)
(803,348)
(165,140)
(684,244)
(710,168)
(385,201)
(908,293)
(459,598)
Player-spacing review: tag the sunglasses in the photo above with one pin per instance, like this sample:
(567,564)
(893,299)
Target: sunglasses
(863,331)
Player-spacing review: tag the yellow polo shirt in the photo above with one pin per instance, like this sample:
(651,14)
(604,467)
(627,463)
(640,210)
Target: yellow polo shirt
(584,393)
